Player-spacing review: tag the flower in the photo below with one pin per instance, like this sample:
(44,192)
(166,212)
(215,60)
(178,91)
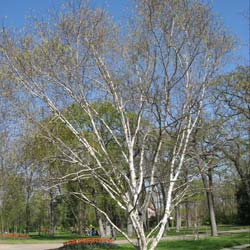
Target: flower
(88,241)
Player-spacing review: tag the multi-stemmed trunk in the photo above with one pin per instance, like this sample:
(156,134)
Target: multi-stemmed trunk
(138,227)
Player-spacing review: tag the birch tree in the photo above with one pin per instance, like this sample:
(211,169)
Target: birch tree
(157,69)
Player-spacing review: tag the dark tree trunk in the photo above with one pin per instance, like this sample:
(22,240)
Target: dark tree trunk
(27,217)
(52,215)
(208,185)
(29,190)
(188,215)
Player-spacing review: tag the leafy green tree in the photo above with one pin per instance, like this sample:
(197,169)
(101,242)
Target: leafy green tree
(233,98)
(232,95)
(243,202)
(13,205)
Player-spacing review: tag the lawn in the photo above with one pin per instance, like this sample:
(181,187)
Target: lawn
(35,238)
(211,243)
(205,229)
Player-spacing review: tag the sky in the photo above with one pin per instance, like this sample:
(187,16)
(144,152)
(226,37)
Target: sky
(13,12)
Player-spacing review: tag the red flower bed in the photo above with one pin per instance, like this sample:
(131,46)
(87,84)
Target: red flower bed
(14,236)
(89,243)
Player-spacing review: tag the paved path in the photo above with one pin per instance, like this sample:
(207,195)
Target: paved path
(29,246)
(56,245)
(242,247)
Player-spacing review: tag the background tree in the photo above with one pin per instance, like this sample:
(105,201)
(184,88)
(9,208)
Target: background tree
(233,97)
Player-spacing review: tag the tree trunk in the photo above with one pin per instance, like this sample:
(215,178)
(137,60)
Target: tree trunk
(101,226)
(141,245)
(113,233)
(98,217)
(187,205)
(137,220)
(208,184)
(52,215)
(210,198)
(196,224)
(27,217)
(188,215)
(108,230)
(28,196)
(212,214)
(39,229)
(80,220)
(178,217)
(130,228)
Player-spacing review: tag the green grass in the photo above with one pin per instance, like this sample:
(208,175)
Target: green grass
(207,244)
(205,229)
(211,243)
(35,238)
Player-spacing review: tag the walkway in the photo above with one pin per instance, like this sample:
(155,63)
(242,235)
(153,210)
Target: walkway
(242,247)
(29,246)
